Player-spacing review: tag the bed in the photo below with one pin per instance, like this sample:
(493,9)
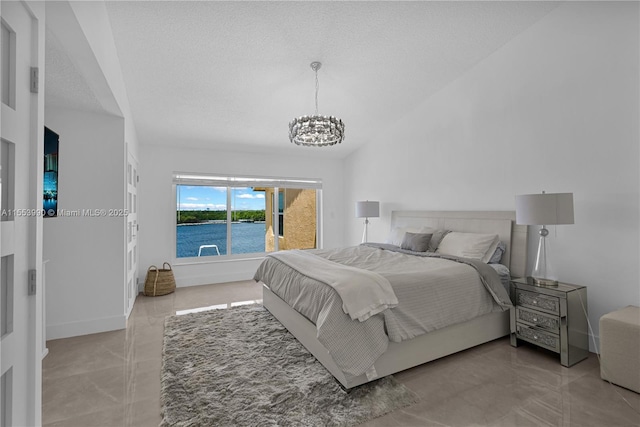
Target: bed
(411,351)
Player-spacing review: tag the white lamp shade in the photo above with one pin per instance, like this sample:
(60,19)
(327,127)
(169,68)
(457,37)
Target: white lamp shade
(544,209)
(367,209)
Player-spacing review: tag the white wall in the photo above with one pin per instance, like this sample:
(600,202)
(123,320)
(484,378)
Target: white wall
(555,109)
(84,29)
(85,273)
(157,204)
(93,19)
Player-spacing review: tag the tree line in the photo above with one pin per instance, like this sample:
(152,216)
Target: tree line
(194,217)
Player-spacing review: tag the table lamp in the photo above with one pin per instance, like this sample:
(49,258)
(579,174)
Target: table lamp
(367,210)
(544,209)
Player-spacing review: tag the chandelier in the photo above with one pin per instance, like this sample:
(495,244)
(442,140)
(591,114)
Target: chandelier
(316,130)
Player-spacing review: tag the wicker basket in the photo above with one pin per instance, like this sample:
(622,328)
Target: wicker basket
(159,281)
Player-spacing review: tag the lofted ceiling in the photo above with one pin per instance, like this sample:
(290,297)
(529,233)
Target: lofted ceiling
(231,75)
(64,85)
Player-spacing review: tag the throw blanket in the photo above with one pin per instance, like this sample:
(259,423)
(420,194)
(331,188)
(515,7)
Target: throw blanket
(363,293)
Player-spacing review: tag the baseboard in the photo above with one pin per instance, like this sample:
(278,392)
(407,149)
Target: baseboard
(130,309)
(86,327)
(593,349)
(214,278)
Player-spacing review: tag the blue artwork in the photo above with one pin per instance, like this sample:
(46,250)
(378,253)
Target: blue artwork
(50,187)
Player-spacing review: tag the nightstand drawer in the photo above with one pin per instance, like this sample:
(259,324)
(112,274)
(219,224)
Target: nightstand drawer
(539,319)
(545,303)
(539,337)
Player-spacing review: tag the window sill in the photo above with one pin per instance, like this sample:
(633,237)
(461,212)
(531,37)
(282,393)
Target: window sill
(218,259)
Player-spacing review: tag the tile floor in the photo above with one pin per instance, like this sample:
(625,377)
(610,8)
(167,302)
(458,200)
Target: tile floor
(113,378)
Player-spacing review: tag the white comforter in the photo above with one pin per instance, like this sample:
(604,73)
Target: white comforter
(363,293)
(432,293)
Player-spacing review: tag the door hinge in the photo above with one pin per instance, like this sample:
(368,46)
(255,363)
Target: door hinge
(137,178)
(137,227)
(32,282)
(34,79)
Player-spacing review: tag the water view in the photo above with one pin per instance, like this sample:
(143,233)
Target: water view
(246,237)
(202,213)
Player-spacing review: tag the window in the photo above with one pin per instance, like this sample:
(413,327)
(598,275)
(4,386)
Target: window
(230,215)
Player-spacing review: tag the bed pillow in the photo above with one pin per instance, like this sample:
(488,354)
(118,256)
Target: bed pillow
(437,237)
(497,254)
(416,242)
(396,236)
(469,245)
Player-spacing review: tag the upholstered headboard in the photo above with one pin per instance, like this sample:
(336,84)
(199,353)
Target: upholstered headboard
(501,223)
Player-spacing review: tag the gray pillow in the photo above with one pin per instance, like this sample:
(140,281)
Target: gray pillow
(497,255)
(416,242)
(437,237)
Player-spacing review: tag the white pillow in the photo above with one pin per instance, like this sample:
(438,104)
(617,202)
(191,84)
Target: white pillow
(396,236)
(469,245)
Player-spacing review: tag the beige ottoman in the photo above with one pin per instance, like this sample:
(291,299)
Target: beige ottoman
(620,347)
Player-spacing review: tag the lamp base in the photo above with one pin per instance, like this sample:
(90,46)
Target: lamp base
(547,283)
(540,270)
(365,237)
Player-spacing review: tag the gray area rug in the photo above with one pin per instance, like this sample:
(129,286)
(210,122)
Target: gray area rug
(240,366)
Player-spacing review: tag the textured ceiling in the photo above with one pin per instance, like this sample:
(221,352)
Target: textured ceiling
(64,85)
(233,74)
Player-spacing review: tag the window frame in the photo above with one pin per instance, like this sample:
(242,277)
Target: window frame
(242,181)
(280,200)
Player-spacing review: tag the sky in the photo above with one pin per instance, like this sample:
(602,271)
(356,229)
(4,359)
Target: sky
(215,198)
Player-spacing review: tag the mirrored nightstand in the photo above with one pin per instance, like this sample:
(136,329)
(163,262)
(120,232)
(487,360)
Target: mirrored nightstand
(551,317)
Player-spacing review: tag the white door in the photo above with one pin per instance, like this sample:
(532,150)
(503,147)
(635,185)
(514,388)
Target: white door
(20,226)
(132,233)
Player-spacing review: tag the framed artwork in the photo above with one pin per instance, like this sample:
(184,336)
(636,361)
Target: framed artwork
(50,187)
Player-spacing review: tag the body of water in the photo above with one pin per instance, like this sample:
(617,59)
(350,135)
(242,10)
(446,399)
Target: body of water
(245,238)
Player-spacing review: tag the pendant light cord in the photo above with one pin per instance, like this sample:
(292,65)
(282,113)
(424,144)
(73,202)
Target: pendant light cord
(317,88)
